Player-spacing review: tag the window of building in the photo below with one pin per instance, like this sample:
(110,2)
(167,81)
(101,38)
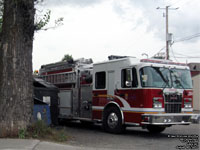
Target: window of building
(100,80)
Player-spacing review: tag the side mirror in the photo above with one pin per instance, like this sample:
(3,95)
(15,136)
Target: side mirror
(128,84)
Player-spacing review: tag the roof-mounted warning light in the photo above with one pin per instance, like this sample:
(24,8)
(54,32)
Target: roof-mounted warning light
(168,62)
(112,57)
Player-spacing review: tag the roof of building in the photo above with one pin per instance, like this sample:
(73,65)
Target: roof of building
(194,66)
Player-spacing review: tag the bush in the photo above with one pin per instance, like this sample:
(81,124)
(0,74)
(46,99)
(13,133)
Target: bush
(39,130)
(22,133)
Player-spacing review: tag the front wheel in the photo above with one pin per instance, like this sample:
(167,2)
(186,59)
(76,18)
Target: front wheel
(155,129)
(112,120)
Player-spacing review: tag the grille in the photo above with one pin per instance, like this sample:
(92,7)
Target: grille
(173,103)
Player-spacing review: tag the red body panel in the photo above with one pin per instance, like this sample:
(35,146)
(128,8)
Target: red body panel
(140,97)
(136,98)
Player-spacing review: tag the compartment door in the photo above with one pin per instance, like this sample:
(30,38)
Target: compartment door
(111,82)
(65,104)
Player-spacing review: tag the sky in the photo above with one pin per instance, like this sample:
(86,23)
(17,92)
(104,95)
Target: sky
(99,28)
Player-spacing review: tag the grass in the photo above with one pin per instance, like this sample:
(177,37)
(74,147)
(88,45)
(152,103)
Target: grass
(39,130)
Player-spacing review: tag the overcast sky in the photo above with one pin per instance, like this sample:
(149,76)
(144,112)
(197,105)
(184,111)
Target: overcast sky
(99,28)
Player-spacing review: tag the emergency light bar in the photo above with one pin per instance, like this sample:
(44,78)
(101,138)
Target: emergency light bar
(162,62)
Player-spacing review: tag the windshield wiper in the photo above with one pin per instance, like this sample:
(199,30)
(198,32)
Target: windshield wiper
(178,82)
(166,84)
(162,77)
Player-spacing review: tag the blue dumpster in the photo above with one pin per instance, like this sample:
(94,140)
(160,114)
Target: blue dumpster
(41,111)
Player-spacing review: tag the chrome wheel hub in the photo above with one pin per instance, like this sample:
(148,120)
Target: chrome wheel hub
(112,120)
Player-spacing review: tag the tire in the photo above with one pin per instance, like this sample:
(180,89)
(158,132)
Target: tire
(112,120)
(155,129)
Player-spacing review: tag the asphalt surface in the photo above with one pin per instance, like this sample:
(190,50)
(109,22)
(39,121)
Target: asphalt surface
(134,137)
(92,137)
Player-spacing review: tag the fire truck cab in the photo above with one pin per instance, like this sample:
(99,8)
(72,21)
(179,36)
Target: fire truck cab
(126,91)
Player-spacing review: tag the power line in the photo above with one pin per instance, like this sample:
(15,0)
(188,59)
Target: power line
(175,3)
(159,51)
(181,54)
(187,38)
(178,2)
(188,57)
(167,2)
(182,2)
(173,54)
(184,55)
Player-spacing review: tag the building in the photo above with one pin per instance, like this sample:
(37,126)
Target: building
(195,72)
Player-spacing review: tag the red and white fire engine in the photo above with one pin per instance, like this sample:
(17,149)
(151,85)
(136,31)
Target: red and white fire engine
(124,91)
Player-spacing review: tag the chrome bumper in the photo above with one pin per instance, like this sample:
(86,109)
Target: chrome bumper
(166,119)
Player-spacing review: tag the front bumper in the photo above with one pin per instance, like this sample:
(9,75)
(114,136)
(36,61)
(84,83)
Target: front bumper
(166,119)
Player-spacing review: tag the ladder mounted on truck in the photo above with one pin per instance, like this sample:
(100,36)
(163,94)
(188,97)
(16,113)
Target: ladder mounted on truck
(65,74)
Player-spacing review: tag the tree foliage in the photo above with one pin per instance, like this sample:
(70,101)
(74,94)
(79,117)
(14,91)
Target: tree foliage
(40,22)
(43,21)
(67,58)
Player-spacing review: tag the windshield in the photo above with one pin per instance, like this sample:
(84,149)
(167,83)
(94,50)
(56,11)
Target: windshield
(160,77)
(155,77)
(181,79)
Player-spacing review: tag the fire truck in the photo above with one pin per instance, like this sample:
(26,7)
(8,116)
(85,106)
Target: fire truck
(123,91)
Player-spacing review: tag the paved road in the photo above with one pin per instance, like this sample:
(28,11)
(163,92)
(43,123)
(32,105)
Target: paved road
(93,138)
(134,138)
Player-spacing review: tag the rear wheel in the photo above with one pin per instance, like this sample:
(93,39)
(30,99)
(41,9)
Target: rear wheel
(112,120)
(155,129)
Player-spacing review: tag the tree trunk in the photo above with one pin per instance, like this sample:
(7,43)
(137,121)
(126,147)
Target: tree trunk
(16,91)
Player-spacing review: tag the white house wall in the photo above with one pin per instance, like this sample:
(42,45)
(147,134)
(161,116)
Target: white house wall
(196,92)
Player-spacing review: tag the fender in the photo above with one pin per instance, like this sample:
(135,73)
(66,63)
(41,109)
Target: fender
(117,105)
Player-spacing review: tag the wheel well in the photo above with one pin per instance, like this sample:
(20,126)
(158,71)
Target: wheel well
(113,104)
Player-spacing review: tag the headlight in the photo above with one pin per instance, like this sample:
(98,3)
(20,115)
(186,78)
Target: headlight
(187,103)
(157,103)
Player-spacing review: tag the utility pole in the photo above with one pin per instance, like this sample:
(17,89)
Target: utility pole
(167,30)
(167,41)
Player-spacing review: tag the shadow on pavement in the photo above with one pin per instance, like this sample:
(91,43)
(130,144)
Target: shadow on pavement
(97,128)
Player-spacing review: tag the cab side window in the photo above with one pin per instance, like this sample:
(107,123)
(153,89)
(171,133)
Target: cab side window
(129,78)
(100,80)
(126,78)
